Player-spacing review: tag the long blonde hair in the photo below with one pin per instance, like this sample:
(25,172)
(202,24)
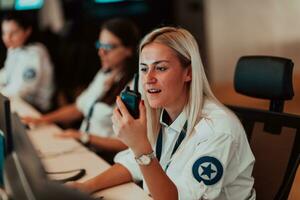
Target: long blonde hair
(186,48)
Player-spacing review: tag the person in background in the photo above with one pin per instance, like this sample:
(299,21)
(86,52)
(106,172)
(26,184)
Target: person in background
(185,143)
(117,44)
(27,71)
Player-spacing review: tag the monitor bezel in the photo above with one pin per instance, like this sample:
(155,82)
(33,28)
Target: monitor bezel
(5,120)
(24,174)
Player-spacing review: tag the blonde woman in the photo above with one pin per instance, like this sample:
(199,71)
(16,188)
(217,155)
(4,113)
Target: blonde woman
(185,144)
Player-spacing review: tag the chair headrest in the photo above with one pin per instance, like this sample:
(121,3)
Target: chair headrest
(264,77)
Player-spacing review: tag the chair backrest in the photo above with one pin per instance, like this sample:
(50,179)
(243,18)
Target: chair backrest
(265,77)
(274,136)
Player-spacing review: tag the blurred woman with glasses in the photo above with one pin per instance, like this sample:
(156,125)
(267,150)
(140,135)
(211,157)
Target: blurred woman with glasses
(117,44)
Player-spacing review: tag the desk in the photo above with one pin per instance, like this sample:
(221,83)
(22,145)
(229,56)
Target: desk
(65,154)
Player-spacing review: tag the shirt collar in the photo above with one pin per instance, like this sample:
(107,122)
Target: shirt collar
(177,124)
(14,50)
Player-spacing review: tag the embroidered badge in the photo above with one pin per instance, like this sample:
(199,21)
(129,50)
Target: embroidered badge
(207,169)
(29,74)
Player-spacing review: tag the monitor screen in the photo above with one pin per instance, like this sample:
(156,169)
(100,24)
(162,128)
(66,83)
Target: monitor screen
(5,124)
(5,133)
(108,1)
(28,4)
(21,4)
(1,159)
(24,175)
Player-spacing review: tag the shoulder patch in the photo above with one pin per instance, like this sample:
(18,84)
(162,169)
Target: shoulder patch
(207,169)
(29,74)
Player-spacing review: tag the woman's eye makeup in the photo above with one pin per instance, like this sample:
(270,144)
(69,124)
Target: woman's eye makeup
(143,69)
(157,68)
(161,68)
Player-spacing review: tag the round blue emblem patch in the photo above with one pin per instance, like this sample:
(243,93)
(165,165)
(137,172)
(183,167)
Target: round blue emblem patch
(29,74)
(208,169)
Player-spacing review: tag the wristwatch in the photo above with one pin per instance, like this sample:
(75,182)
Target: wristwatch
(84,138)
(145,159)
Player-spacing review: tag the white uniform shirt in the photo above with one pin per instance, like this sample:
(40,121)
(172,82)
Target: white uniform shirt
(28,73)
(100,121)
(216,162)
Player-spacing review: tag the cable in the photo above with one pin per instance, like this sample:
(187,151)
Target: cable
(80,174)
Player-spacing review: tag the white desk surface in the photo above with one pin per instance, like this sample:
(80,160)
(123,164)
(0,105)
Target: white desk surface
(65,154)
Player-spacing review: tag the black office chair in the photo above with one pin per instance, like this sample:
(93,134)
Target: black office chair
(274,136)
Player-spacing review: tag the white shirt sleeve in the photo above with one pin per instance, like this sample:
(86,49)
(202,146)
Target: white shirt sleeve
(126,158)
(216,150)
(3,77)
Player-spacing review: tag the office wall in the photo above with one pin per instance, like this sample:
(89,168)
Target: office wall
(190,15)
(242,27)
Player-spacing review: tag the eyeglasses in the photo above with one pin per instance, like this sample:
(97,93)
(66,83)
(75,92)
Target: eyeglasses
(106,47)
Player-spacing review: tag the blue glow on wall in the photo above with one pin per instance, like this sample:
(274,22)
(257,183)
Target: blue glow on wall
(28,4)
(108,1)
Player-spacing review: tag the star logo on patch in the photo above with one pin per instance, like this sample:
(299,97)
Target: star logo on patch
(208,170)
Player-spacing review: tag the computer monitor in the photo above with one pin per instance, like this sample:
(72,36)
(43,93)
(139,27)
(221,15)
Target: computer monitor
(28,4)
(24,174)
(21,4)
(5,133)
(5,124)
